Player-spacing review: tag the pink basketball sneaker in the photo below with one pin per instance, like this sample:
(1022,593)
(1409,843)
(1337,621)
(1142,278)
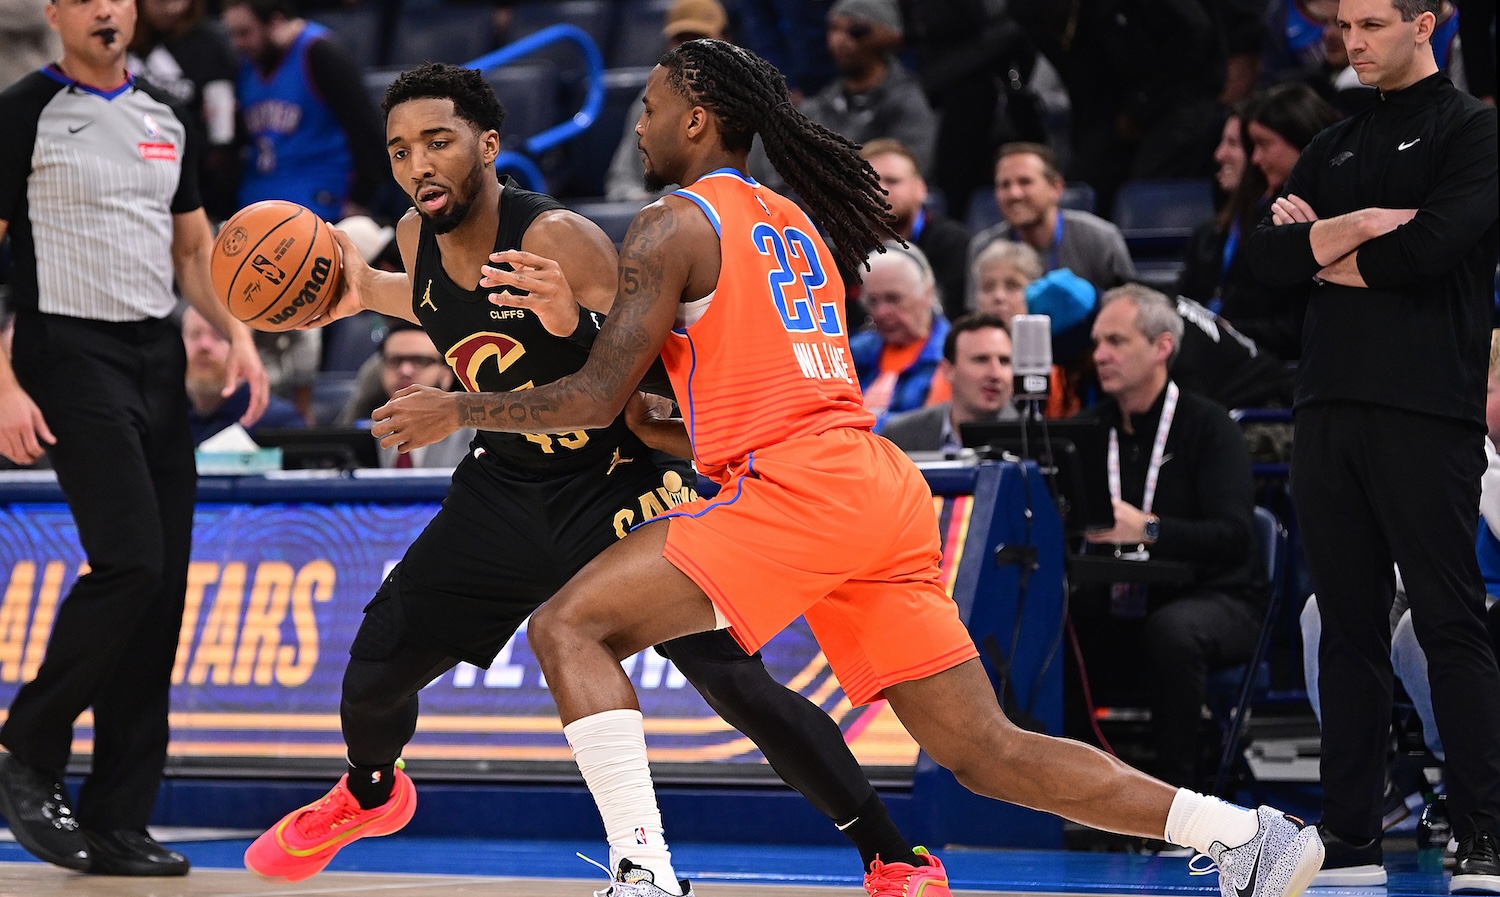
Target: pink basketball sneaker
(906,880)
(304,841)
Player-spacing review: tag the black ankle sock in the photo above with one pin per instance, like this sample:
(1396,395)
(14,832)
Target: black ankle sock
(372,785)
(874,834)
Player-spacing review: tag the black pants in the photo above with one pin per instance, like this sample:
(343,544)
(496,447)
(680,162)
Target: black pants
(1372,486)
(113,395)
(803,744)
(1163,660)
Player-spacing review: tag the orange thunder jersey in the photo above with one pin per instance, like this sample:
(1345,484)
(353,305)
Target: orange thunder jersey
(765,356)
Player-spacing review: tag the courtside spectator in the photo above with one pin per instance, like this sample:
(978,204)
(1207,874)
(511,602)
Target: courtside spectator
(977,365)
(897,357)
(209,410)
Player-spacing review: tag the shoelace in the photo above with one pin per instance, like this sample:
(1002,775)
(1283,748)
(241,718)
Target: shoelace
(602,868)
(1193,866)
(333,811)
(880,883)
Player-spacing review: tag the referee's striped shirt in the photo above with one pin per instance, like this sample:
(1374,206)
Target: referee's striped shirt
(89,182)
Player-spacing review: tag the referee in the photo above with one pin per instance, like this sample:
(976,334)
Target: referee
(99,196)
(1393,214)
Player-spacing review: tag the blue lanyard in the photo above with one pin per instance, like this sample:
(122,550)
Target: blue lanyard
(918,224)
(1057,237)
(1231,244)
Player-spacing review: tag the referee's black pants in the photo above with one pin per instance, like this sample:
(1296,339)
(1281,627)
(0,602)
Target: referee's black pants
(1374,485)
(113,395)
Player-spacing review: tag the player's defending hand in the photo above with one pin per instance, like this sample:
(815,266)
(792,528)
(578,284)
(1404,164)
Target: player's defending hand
(22,428)
(549,296)
(415,416)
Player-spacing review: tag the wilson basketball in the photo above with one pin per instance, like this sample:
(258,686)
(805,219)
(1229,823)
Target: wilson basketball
(275,265)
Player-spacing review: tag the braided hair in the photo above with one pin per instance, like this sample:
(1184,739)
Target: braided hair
(841,191)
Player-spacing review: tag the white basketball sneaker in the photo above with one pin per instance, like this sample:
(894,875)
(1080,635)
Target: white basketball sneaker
(1279,861)
(634,881)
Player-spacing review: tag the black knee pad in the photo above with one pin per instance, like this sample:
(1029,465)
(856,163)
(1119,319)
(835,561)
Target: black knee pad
(712,646)
(384,624)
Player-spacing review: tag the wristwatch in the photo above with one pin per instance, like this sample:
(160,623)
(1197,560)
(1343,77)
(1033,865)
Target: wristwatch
(1152,529)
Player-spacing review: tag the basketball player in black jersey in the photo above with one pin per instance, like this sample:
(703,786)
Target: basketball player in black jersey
(524,512)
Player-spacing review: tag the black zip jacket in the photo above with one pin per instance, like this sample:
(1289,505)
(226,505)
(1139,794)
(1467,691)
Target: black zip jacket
(1417,338)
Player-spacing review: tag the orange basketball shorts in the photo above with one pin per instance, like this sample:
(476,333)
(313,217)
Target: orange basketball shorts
(839,527)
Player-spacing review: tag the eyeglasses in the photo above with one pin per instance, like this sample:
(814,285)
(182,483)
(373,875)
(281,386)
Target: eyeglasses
(855,30)
(420,362)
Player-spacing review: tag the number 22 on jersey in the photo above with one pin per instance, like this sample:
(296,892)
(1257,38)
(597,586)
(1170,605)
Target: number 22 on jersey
(794,289)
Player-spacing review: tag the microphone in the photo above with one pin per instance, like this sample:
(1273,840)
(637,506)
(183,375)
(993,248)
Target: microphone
(1031,356)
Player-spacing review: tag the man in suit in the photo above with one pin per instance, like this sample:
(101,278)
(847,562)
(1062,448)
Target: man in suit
(977,364)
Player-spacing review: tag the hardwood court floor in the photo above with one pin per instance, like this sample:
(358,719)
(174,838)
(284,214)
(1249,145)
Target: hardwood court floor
(35,880)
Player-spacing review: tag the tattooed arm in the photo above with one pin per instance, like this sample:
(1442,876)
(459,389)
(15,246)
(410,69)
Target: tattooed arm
(671,252)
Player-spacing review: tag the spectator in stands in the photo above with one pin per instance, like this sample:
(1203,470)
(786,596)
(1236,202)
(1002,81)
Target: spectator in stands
(314,136)
(406,356)
(209,409)
(977,365)
(1144,77)
(7,332)
(26,41)
(874,94)
(897,358)
(1198,510)
(789,35)
(1261,141)
(686,20)
(1009,281)
(1028,187)
(176,49)
(979,70)
(944,241)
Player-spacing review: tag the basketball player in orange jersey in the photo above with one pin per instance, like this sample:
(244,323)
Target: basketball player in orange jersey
(524,512)
(735,288)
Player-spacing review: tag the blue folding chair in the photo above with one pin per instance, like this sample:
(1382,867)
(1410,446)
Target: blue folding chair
(1251,679)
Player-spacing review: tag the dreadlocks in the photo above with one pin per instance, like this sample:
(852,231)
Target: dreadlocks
(749,96)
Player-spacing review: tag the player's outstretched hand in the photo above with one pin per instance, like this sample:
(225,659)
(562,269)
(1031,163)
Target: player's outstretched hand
(354,280)
(548,294)
(22,428)
(415,416)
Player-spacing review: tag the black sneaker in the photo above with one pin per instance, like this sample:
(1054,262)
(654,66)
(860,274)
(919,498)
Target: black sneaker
(1347,865)
(36,806)
(1478,867)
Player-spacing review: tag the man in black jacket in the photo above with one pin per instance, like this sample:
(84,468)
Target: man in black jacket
(1179,476)
(1393,213)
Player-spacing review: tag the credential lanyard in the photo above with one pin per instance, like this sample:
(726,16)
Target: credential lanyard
(1053,257)
(1158,448)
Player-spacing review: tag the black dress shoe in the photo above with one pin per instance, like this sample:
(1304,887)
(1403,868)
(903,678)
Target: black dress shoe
(36,806)
(132,852)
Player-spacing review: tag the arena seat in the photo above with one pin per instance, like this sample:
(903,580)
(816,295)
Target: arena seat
(613,217)
(376,82)
(528,91)
(453,34)
(590,154)
(637,38)
(347,342)
(593,17)
(1158,216)
(358,30)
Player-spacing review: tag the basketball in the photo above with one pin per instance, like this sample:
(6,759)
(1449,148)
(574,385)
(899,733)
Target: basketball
(275,265)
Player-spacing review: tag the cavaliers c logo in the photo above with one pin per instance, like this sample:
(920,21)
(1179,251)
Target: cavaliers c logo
(468,356)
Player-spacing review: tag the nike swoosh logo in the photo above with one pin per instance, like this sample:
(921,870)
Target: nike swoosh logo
(1249,889)
(1403,146)
(846,825)
(73,130)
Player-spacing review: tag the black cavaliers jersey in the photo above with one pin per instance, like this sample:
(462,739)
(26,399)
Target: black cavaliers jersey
(497,349)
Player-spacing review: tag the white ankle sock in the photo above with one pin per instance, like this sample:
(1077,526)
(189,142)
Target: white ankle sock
(1197,821)
(610,748)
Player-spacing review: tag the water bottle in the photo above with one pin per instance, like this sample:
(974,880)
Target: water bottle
(1433,833)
